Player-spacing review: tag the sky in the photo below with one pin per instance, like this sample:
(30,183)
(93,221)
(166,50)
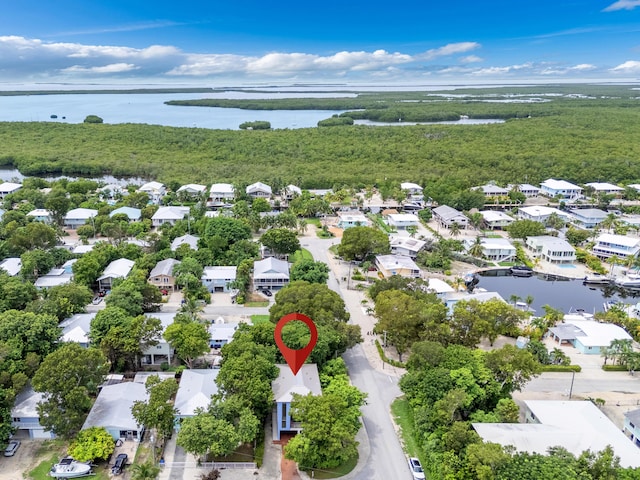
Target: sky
(253,42)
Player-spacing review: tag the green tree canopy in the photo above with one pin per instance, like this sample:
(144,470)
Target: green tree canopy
(92,444)
(360,243)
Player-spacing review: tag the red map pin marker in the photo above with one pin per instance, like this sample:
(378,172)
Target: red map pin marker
(295,358)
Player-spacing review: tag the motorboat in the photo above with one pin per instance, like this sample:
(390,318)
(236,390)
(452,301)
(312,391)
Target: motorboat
(70,468)
(596,279)
(521,271)
(630,280)
(470,281)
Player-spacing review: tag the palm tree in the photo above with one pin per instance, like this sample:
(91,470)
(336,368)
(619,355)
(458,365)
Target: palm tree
(613,260)
(477,250)
(144,471)
(192,308)
(514,299)
(454,229)
(476,220)
(302,226)
(528,300)
(609,222)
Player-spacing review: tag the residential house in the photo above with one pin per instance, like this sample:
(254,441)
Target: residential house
(439,287)
(259,190)
(112,193)
(540,213)
(307,381)
(587,336)
(169,215)
(54,278)
(133,214)
(197,386)
(7,188)
(270,274)
(588,217)
(41,215)
(221,194)
(607,245)
(492,190)
(76,328)
(187,239)
(529,191)
(390,265)
(551,249)
(290,192)
(406,246)
(601,188)
(25,416)
(219,279)
(117,269)
(11,265)
(553,188)
(162,274)
(112,410)
(576,426)
(402,221)
(494,219)
(155,190)
(413,190)
(221,333)
(162,351)
(495,249)
(452,298)
(352,219)
(192,190)
(79,216)
(446,216)
(631,426)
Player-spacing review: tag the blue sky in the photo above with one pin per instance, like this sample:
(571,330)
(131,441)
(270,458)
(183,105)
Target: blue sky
(252,42)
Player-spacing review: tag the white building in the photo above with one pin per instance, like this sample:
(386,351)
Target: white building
(605,188)
(529,191)
(587,336)
(219,278)
(187,239)
(540,213)
(259,190)
(495,249)
(402,221)
(352,219)
(192,189)
(390,265)
(169,215)
(588,217)
(194,393)
(7,188)
(220,194)
(551,249)
(155,190)
(492,190)
(552,188)
(11,265)
(270,273)
(117,269)
(79,216)
(494,219)
(607,245)
(41,215)
(406,246)
(446,216)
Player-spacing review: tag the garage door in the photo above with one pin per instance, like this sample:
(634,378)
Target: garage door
(40,434)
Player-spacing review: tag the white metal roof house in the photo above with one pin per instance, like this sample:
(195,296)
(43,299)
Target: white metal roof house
(492,190)
(574,425)
(169,215)
(162,351)
(446,216)
(195,391)
(155,190)
(541,213)
(551,249)
(390,265)
(270,273)
(439,287)
(76,328)
(11,265)
(412,189)
(605,188)
(112,410)
(352,219)
(54,278)
(117,269)
(402,221)
(221,333)
(188,239)
(8,188)
(79,216)
(220,194)
(259,190)
(529,191)
(406,246)
(25,414)
(192,189)
(495,249)
(552,188)
(133,214)
(307,381)
(607,245)
(219,278)
(41,215)
(587,336)
(588,217)
(291,191)
(452,298)
(494,219)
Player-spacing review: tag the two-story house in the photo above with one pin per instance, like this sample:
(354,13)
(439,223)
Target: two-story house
(307,381)
(607,245)
(162,274)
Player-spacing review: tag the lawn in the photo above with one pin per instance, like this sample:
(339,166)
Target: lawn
(256,304)
(337,472)
(299,255)
(41,472)
(403,416)
(258,319)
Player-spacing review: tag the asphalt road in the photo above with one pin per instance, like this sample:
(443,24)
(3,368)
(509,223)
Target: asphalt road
(561,382)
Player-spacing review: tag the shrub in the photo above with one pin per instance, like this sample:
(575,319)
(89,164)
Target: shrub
(93,119)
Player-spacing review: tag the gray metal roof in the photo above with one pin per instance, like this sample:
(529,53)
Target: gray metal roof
(164,267)
(306,381)
(117,269)
(270,267)
(195,391)
(112,408)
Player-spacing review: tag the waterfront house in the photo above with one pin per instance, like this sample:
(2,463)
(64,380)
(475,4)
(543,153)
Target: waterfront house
(111,193)
(446,216)
(406,246)
(270,274)
(402,221)
(259,190)
(290,192)
(601,188)
(7,188)
(492,190)
(187,239)
(352,219)
(551,249)
(553,188)
(133,214)
(112,410)
(192,190)
(540,213)
(494,219)
(219,278)
(197,386)
(587,336)
(11,265)
(576,426)
(495,249)
(162,274)
(155,190)
(631,426)
(169,215)
(79,216)
(306,382)
(41,215)
(439,287)
(117,269)
(529,191)
(452,298)
(220,194)
(25,417)
(588,217)
(390,265)
(607,245)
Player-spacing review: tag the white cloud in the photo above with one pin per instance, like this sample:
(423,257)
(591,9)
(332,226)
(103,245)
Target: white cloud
(449,49)
(629,67)
(470,59)
(112,68)
(581,68)
(622,5)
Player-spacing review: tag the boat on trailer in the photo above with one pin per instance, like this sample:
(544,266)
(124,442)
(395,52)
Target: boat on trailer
(70,468)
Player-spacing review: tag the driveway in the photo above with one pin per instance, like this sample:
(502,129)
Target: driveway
(25,460)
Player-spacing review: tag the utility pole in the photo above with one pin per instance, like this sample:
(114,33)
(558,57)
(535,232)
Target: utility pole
(573,376)
(384,342)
